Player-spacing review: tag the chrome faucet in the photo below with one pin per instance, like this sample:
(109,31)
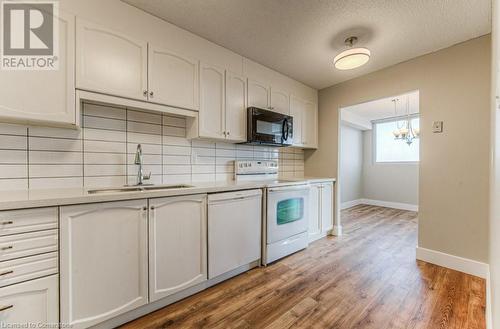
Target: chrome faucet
(138,161)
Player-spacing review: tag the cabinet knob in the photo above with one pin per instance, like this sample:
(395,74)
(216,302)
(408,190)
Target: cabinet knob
(7,248)
(152,207)
(7,222)
(145,93)
(228,133)
(151,94)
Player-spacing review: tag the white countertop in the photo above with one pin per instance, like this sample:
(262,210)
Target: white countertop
(20,199)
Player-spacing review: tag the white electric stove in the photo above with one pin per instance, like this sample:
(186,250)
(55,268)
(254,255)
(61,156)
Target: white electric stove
(286,209)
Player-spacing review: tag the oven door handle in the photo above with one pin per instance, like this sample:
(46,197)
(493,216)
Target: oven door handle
(304,187)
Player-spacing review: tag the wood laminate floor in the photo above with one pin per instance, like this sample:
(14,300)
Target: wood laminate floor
(368,278)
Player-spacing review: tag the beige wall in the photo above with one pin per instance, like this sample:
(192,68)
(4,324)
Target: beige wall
(454,86)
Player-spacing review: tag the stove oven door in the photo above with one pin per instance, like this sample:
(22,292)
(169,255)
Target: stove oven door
(287,211)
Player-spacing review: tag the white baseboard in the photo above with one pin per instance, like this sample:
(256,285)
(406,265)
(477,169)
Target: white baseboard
(388,204)
(489,315)
(460,264)
(352,203)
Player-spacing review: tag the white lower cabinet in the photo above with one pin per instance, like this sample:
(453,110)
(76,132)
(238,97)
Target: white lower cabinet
(177,244)
(234,230)
(104,261)
(321,210)
(32,302)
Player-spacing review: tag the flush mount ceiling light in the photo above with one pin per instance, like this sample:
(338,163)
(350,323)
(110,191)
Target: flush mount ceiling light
(353,57)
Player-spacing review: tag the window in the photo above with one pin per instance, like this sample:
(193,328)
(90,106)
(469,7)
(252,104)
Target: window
(389,149)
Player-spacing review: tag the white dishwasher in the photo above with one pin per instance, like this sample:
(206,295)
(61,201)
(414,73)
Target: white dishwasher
(234,230)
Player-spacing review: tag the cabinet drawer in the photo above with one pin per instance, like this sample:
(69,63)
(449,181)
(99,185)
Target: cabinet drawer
(27,268)
(28,220)
(35,301)
(27,244)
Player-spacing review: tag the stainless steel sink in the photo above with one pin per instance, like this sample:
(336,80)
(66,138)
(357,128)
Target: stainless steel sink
(138,188)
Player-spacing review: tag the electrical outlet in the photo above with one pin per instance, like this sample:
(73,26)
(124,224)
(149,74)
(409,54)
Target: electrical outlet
(437,127)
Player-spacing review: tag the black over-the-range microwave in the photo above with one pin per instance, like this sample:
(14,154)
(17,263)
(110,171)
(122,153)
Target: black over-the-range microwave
(266,127)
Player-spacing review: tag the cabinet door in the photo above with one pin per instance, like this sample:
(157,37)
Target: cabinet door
(258,94)
(212,102)
(177,244)
(236,112)
(233,241)
(326,207)
(280,101)
(35,301)
(104,261)
(296,111)
(173,78)
(26,95)
(109,62)
(310,125)
(315,212)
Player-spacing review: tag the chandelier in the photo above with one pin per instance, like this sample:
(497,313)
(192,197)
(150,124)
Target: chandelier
(404,130)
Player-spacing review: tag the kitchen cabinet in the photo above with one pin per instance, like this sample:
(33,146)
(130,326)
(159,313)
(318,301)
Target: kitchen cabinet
(173,78)
(314,230)
(110,62)
(236,109)
(233,241)
(25,95)
(35,301)
(104,261)
(305,123)
(321,210)
(212,123)
(280,101)
(258,94)
(177,244)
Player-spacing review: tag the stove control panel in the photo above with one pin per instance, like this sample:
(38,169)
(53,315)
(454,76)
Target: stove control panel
(256,167)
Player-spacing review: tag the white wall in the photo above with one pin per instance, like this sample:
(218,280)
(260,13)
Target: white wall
(352,164)
(390,182)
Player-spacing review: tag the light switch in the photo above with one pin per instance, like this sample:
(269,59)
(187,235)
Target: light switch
(437,127)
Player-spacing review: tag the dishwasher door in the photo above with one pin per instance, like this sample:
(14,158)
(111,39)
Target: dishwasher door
(234,230)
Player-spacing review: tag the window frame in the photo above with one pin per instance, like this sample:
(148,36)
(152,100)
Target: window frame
(374,140)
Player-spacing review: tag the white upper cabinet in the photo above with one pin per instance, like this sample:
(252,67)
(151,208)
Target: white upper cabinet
(305,122)
(236,110)
(258,94)
(212,102)
(104,261)
(173,78)
(280,101)
(46,96)
(310,125)
(110,62)
(177,244)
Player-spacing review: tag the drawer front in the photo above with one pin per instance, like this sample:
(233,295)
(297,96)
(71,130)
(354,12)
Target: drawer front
(27,220)
(27,244)
(34,301)
(27,268)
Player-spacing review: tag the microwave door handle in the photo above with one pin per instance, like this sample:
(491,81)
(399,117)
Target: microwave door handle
(284,135)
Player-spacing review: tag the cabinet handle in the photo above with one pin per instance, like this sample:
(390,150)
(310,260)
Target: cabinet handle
(7,222)
(144,208)
(3,308)
(151,94)
(228,133)
(145,93)
(6,273)
(152,207)
(7,248)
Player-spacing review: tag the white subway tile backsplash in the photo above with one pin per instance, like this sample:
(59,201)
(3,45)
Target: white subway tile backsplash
(13,157)
(102,152)
(10,142)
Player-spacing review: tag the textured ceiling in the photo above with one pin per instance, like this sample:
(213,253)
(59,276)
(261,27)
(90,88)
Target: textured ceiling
(299,38)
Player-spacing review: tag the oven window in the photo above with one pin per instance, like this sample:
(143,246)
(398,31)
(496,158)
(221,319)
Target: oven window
(290,210)
(268,128)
